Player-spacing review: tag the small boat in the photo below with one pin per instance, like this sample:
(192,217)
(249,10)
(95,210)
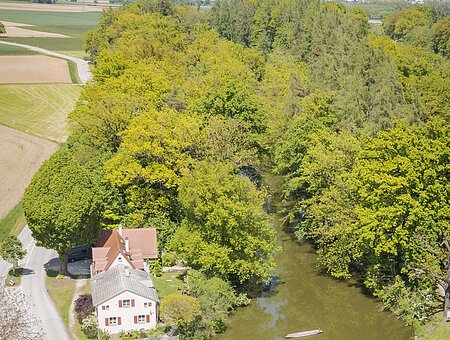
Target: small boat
(303,334)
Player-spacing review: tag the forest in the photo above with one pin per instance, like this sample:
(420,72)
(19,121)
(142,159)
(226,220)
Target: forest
(187,109)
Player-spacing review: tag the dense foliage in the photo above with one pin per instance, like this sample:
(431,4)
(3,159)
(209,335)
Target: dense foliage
(62,205)
(83,307)
(358,127)
(11,250)
(185,107)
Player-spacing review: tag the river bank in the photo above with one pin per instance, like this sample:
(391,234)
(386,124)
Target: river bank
(303,298)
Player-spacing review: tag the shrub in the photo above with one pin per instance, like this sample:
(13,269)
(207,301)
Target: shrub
(83,307)
(155,267)
(89,326)
(169,259)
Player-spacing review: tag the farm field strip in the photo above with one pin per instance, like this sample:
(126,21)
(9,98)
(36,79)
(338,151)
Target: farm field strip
(21,155)
(72,25)
(38,109)
(33,69)
(50,7)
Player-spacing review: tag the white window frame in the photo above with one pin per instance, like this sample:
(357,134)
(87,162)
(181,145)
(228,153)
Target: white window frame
(106,307)
(113,321)
(126,303)
(147,304)
(141,319)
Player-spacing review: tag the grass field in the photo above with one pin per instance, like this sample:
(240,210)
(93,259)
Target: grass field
(13,223)
(6,50)
(74,25)
(38,109)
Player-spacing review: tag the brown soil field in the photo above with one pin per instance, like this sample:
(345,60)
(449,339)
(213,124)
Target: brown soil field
(21,155)
(14,30)
(50,7)
(33,69)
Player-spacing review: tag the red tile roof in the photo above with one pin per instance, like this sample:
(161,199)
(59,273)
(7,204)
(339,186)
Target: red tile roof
(142,245)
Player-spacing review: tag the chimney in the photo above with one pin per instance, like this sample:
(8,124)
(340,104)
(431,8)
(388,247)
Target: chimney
(127,272)
(127,245)
(120,229)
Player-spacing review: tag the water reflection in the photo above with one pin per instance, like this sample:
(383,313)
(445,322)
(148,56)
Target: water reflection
(303,298)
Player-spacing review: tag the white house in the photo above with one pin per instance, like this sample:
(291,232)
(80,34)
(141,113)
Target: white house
(124,299)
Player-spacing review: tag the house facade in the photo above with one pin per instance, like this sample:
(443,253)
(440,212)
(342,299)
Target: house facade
(124,299)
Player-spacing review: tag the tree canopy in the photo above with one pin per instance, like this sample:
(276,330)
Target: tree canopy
(62,206)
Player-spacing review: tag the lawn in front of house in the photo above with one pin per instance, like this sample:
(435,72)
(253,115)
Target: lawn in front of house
(61,290)
(169,283)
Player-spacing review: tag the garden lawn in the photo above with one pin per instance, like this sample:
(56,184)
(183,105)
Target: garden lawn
(61,291)
(164,287)
(38,109)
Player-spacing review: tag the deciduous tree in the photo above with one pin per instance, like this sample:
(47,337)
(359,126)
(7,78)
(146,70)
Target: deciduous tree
(62,206)
(11,250)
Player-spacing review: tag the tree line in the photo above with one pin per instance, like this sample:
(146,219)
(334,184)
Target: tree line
(359,130)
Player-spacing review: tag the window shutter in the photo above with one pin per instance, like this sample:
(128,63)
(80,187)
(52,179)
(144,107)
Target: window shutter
(106,322)
(132,302)
(103,307)
(119,320)
(148,318)
(120,303)
(135,319)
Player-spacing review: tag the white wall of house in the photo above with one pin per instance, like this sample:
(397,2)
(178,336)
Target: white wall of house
(120,259)
(129,316)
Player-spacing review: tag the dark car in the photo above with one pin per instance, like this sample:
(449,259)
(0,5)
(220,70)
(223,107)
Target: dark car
(80,253)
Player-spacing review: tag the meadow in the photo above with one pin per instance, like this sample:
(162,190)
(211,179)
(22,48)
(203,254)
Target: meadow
(38,109)
(74,25)
(13,50)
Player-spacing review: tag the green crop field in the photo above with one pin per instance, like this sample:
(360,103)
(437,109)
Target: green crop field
(74,25)
(13,50)
(38,109)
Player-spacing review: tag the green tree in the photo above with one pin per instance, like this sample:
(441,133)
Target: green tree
(441,36)
(11,250)
(401,23)
(216,298)
(180,311)
(62,206)
(402,185)
(2,28)
(225,232)
(156,148)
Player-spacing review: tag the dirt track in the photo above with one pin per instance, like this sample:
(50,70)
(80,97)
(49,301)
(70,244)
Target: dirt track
(33,69)
(21,155)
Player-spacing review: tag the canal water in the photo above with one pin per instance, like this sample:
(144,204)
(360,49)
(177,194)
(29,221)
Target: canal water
(303,298)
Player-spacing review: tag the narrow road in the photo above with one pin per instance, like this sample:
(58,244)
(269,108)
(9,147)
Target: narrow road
(82,66)
(33,285)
